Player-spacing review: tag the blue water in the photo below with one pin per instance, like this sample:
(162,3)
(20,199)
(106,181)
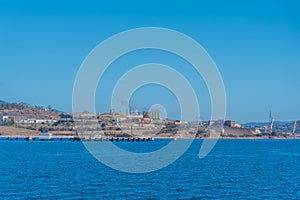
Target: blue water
(235,169)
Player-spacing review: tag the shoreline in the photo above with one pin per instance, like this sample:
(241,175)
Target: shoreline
(60,137)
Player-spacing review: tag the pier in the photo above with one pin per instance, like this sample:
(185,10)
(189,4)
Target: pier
(76,138)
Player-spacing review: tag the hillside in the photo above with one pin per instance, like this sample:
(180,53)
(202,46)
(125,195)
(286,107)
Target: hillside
(21,111)
(24,119)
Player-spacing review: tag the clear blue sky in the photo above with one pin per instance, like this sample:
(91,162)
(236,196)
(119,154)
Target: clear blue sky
(255,44)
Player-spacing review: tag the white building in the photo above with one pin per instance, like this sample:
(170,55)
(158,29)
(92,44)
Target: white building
(37,121)
(4,118)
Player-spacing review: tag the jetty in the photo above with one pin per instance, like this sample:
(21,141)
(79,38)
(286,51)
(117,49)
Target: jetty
(75,138)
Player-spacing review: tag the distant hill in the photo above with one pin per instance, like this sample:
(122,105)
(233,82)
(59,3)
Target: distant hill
(255,124)
(261,124)
(1,102)
(21,111)
(278,126)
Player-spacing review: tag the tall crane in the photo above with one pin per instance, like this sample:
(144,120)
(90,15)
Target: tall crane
(294,128)
(271,120)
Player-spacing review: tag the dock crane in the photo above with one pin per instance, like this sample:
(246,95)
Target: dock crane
(294,128)
(271,120)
